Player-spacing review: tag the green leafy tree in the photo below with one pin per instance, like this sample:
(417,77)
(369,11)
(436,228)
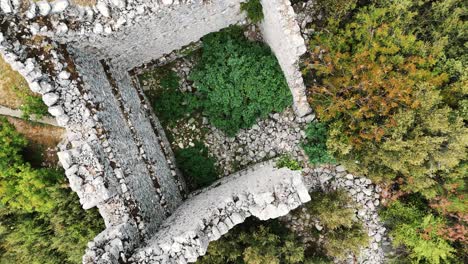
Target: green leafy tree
(238,81)
(21,186)
(41,221)
(341,233)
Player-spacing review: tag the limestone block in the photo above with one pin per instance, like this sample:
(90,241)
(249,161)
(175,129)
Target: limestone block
(59,6)
(44,8)
(50,98)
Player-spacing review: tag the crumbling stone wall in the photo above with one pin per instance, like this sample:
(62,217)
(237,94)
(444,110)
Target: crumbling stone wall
(262,191)
(117,157)
(282,33)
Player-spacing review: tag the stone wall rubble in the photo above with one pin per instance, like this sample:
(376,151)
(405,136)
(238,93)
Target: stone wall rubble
(116,156)
(262,191)
(363,192)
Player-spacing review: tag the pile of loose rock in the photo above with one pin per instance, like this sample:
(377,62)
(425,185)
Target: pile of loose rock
(280,133)
(363,192)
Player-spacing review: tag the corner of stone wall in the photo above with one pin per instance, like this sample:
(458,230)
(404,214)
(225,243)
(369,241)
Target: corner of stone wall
(282,33)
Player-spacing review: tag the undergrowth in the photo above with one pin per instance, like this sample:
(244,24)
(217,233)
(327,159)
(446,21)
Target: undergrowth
(238,81)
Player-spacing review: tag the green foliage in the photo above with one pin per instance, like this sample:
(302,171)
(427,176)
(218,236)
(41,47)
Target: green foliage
(341,233)
(168,102)
(342,241)
(423,145)
(390,79)
(421,232)
(32,104)
(255,243)
(336,9)
(254,10)
(315,144)
(59,236)
(22,187)
(41,221)
(333,209)
(286,161)
(196,165)
(238,81)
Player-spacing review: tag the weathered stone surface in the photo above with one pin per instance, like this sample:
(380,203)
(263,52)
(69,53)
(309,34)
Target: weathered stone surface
(50,98)
(59,6)
(116,155)
(261,191)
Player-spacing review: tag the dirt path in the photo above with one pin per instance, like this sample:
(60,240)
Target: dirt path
(17,113)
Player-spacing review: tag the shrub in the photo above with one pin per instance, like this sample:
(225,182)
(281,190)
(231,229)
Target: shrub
(255,243)
(196,165)
(254,10)
(336,9)
(33,105)
(343,241)
(238,81)
(421,232)
(315,144)
(333,209)
(341,233)
(21,186)
(168,102)
(288,162)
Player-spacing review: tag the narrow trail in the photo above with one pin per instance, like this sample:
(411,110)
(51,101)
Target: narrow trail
(18,113)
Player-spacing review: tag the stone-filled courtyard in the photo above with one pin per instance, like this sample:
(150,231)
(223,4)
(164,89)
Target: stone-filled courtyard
(280,135)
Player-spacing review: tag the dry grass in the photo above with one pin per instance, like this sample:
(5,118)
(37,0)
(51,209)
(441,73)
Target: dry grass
(10,81)
(43,140)
(84,2)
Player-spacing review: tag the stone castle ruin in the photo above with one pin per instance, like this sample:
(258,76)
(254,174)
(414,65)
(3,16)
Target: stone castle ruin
(116,157)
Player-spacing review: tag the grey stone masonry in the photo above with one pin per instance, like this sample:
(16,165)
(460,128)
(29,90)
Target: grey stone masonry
(262,191)
(116,156)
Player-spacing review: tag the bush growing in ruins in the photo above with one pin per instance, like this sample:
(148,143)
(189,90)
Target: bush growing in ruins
(41,221)
(315,145)
(168,102)
(253,242)
(286,161)
(196,165)
(254,10)
(33,106)
(238,81)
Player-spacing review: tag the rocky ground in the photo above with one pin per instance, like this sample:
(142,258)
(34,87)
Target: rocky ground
(280,133)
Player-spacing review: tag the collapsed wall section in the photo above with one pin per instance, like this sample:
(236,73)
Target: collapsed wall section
(262,191)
